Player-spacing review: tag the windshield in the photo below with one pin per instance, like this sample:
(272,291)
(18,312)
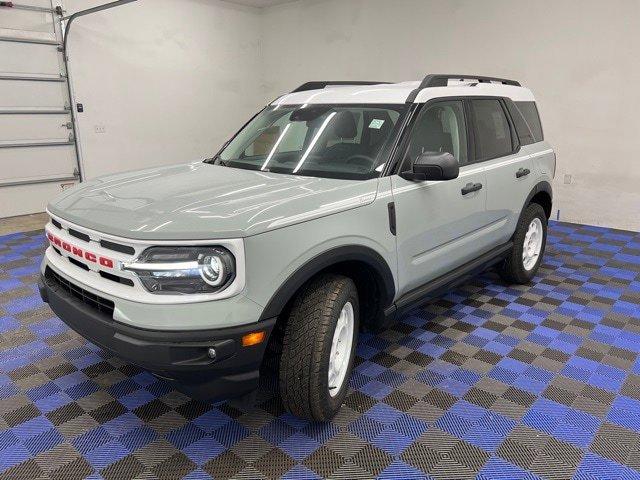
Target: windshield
(316,140)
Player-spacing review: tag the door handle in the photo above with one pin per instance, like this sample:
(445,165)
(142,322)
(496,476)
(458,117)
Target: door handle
(523,172)
(471,187)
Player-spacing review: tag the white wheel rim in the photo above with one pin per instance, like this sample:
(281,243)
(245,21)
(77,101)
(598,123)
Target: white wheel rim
(341,349)
(532,244)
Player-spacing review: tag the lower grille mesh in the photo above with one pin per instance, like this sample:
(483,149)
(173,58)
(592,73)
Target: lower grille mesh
(98,303)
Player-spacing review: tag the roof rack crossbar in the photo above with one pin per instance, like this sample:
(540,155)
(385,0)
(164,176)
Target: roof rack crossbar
(318,85)
(442,80)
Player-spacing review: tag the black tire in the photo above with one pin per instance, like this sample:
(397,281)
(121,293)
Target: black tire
(512,270)
(307,345)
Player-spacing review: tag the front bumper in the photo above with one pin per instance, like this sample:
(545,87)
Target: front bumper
(177,356)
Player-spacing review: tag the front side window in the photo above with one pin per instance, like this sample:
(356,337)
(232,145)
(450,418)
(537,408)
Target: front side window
(492,131)
(440,128)
(316,140)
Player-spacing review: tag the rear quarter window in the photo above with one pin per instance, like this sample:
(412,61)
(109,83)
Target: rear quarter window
(529,111)
(522,127)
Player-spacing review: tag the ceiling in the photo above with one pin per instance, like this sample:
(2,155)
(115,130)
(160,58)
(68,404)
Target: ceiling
(260,3)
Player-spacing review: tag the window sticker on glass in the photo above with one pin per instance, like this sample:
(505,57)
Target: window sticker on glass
(376,123)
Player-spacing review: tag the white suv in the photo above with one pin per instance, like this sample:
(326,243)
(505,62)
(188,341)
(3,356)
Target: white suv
(335,208)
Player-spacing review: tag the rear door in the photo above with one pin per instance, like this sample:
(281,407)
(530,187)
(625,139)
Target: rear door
(509,168)
(439,225)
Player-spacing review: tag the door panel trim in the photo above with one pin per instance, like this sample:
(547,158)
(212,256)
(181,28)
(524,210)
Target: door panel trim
(451,243)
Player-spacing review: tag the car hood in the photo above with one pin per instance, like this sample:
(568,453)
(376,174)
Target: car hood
(201,201)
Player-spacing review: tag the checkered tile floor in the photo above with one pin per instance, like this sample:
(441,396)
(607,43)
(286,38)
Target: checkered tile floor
(489,382)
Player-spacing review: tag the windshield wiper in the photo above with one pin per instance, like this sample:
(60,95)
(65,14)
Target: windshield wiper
(217,161)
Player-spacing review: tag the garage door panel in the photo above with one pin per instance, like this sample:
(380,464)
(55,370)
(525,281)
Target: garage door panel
(27,20)
(36,150)
(21,58)
(27,127)
(19,34)
(14,94)
(23,199)
(46,4)
(36,163)
(36,3)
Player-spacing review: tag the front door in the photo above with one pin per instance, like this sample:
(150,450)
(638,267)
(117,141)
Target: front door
(440,225)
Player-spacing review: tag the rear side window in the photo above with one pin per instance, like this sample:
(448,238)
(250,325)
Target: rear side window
(522,127)
(492,131)
(529,111)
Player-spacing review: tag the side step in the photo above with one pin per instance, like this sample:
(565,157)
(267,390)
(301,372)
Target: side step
(436,287)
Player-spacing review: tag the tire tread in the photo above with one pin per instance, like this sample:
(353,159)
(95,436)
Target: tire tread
(301,363)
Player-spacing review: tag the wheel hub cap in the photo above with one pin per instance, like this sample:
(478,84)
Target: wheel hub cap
(341,349)
(532,244)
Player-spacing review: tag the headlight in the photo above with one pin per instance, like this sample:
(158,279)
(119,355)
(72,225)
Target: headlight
(171,270)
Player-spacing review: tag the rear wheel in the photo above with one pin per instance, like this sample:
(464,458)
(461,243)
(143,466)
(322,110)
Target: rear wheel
(529,242)
(319,347)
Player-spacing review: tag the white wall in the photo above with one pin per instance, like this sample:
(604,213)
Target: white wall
(169,80)
(578,56)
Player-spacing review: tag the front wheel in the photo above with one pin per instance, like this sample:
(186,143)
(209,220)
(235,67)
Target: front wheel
(529,242)
(319,347)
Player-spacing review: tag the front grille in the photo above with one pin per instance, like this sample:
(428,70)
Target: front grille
(117,247)
(94,301)
(116,278)
(83,266)
(80,235)
(108,276)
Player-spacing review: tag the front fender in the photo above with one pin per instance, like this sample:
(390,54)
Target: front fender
(347,253)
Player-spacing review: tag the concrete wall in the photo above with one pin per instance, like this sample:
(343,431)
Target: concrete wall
(578,56)
(167,81)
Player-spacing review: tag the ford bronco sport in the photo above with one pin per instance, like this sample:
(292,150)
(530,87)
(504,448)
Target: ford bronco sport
(337,207)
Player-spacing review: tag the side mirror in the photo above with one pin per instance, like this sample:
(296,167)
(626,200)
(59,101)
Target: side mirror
(433,166)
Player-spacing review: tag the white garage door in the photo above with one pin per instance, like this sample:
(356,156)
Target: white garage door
(37,145)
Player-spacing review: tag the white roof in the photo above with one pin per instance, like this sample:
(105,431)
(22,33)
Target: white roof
(398,93)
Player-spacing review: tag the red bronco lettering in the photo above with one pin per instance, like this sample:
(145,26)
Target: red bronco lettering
(79,252)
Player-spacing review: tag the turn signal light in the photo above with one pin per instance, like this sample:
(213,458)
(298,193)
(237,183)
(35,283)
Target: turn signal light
(253,338)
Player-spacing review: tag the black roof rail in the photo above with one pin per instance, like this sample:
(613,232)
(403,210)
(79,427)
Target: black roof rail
(318,85)
(442,80)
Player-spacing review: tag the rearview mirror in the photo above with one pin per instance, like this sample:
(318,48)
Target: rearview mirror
(308,114)
(433,166)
